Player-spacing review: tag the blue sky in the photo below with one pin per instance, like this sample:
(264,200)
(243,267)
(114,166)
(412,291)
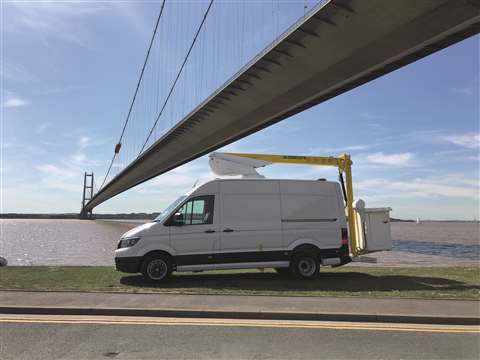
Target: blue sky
(68,73)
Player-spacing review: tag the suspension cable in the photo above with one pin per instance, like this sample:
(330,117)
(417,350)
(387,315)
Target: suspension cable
(119,144)
(95,187)
(178,75)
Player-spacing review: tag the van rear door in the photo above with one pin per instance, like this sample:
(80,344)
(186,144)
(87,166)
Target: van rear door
(310,211)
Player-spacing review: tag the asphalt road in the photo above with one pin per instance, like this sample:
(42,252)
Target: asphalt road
(81,337)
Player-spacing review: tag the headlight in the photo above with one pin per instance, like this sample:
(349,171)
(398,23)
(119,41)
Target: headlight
(128,242)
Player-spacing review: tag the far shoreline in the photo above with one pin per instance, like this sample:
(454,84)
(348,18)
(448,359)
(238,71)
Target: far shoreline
(131,216)
(151,216)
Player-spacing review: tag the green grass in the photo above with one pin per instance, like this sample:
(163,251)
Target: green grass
(410,282)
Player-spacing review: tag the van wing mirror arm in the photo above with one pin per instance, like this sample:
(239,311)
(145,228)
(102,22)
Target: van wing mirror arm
(178,219)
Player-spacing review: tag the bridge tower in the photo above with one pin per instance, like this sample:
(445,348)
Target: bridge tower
(87,194)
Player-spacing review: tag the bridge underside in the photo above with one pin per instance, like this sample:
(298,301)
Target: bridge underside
(338,47)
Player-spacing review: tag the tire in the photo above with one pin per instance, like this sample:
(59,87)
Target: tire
(283,271)
(156,267)
(305,266)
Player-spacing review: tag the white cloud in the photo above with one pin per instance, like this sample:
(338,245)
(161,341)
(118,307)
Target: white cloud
(21,149)
(60,178)
(67,173)
(452,185)
(52,19)
(66,89)
(342,149)
(243,146)
(370,116)
(42,127)
(81,160)
(14,102)
(176,181)
(133,16)
(403,159)
(379,128)
(79,157)
(470,141)
(56,171)
(68,20)
(423,188)
(463,91)
(84,141)
(15,73)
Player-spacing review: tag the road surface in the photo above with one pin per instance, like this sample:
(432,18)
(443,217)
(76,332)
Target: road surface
(100,337)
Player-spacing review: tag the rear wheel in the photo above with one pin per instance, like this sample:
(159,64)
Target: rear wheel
(156,267)
(305,266)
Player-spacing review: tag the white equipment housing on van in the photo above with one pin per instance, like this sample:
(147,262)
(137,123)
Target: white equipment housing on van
(293,226)
(373,226)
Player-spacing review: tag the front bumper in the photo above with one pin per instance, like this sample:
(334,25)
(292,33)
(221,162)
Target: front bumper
(128,264)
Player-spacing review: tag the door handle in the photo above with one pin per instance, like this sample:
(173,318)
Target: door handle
(228,230)
(209,231)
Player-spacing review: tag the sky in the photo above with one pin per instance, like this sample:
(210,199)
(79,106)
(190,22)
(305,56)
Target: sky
(68,72)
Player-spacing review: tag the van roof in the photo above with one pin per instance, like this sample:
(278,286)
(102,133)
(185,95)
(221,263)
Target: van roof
(256,179)
(266,179)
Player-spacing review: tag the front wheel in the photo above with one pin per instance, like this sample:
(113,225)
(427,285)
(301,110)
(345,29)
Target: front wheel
(156,267)
(305,266)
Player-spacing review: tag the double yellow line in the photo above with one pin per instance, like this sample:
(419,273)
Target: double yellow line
(166,321)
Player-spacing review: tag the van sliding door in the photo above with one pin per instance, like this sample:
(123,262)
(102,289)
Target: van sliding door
(251,227)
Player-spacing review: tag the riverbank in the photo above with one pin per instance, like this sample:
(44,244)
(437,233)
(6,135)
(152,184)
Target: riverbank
(122,216)
(375,282)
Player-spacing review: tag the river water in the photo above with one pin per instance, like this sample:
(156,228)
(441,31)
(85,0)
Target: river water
(80,242)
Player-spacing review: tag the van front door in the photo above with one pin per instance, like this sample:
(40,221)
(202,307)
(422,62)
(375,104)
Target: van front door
(194,232)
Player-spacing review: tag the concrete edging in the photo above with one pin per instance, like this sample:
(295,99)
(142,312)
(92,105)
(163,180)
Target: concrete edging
(259,315)
(121,292)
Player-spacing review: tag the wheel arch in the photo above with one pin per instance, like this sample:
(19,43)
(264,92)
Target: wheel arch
(308,248)
(159,252)
(306,243)
(151,247)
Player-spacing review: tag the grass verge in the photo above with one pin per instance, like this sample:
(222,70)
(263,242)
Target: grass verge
(409,282)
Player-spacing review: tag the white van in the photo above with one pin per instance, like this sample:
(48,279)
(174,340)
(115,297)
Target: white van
(290,225)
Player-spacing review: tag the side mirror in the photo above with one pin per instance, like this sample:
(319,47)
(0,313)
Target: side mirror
(178,219)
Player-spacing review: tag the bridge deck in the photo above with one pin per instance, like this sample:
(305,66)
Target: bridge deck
(337,47)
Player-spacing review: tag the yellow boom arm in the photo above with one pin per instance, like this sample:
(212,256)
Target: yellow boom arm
(344,165)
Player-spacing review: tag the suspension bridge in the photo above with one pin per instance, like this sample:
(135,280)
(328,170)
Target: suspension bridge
(239,67)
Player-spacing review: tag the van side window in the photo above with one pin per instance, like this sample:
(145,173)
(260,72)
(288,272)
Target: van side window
(198,211)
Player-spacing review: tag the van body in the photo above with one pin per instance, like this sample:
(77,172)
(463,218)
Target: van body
(242,223)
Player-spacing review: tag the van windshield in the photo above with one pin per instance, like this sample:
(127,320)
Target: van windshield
(163,215)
